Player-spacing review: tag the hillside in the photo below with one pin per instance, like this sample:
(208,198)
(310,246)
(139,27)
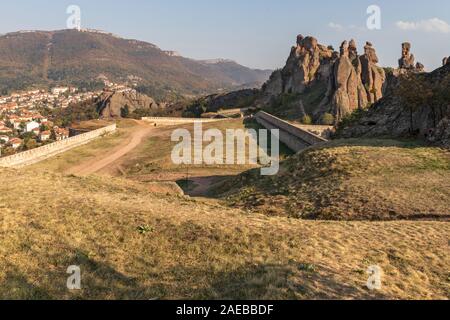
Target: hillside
(132,244)
(40,57)
(351,180)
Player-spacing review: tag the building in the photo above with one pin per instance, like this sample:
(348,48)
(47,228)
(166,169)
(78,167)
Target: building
(5,130)
(44,136)
(61,133)
(30,126)
(15,143)
(59,90)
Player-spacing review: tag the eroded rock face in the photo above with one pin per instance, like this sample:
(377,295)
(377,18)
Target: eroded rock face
(341,81)
(407,60)
(446,61)
(120,104)
(372,76)
(391,117)
(350,94)
(302,65)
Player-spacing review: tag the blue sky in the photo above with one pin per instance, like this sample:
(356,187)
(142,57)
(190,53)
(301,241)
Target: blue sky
(256,33)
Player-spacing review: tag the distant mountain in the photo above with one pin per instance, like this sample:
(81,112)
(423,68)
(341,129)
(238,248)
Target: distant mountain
(74,57)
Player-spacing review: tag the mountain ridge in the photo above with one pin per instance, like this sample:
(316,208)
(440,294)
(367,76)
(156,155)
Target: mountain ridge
(35,57)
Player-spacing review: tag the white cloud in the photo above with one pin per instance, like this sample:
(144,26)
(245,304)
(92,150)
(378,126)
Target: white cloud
(430,25)
(340,27)
(336,26)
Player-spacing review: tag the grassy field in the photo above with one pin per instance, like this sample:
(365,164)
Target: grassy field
(65,161)
(133,244)
(352,180)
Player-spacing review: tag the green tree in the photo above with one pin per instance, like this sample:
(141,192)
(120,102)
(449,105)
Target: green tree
(414,92)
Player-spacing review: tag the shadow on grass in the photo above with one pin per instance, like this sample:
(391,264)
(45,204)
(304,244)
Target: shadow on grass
(294,281)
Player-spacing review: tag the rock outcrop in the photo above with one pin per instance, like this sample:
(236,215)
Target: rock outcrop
(303,64)
(123,104)
(446,61)
(324,81)
(391,117)
(407,61)
(349,92)
(372,76)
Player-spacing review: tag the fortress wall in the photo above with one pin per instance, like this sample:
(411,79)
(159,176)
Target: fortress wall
(39,154)
(294,137)
(177,121)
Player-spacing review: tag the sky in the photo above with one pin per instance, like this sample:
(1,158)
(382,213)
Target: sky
(255,33)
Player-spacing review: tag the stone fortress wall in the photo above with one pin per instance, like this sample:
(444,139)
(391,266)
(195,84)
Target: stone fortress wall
(295,137)
(39,154)
(177,121)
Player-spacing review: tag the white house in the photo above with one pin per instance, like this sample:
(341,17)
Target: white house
(44,136)
(30,126)
(59,90)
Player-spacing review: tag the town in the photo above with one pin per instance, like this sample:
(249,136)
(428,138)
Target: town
(22,125)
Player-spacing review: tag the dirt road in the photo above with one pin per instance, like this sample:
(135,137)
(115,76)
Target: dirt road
(103,161)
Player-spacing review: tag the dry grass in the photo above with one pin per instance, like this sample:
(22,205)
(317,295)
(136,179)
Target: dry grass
(64,162)
(352,180)
(196,249)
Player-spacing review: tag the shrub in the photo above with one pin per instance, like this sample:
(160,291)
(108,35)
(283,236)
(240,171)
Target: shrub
(306,119)
(327,119)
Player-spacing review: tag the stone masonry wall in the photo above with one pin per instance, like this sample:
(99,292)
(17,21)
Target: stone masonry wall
(39,154)
(294,137)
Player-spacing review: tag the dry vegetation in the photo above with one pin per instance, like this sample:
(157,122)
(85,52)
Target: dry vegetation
(352,180)
(132,244)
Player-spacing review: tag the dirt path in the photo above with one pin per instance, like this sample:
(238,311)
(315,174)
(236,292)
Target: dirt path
(99,163)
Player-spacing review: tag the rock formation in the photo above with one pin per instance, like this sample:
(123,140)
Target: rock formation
(322,80)
(121,104)
(372,76)
(303,64)
(446,61)
(392,117)
(407,60)
(349,91)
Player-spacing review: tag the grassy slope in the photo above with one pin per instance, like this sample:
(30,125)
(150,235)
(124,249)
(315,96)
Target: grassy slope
(195,249)
(352,179)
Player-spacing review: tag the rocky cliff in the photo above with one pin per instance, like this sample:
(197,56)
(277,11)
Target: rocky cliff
(322,81)
(123,104)
(418,106)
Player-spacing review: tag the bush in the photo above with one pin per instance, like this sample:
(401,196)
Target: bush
(307,120)
(327,119)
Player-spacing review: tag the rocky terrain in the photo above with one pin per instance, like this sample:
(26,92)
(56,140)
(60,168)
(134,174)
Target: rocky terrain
(418,105)
(124,104)
(322,81)
(222,101)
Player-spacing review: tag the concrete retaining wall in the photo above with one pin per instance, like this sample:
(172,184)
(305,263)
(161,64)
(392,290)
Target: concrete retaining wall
(294,137)
(39,154)
(177,121)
